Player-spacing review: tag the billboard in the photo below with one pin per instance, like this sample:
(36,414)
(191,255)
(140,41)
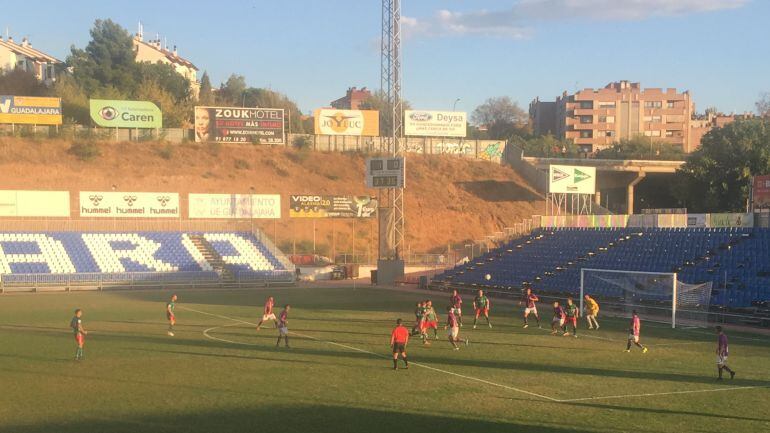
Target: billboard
(385,172)
(332,206)
(129,204)
(34,203)
(30,110)
(239,125)
(435,123)
(109,113)
(232,206)
(567,179)
(347,122)
(760,192)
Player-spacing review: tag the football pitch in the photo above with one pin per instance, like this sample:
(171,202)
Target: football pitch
(218,374)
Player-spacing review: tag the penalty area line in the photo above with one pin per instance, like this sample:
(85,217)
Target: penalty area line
(356,349)
(654,394)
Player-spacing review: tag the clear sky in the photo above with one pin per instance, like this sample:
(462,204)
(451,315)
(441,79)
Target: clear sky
(313,50)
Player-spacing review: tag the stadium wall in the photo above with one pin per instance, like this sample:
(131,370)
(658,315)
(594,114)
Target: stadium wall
(650,221)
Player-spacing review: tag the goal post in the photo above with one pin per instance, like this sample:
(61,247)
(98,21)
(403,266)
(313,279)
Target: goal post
(657,296)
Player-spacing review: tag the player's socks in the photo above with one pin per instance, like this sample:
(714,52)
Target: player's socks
(406,363)
(628,346)
(286,339)
(395,364)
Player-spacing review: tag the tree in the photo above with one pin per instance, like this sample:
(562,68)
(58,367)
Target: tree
(205,95)
(716,177)
(231,92)
(763,105)
(21,83)
(108,60)
(546,146)
(74,100)
(378,101)
(502,117)
(642,147)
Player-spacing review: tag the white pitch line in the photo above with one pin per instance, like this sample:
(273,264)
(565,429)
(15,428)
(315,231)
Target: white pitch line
(653,394)
(379,355)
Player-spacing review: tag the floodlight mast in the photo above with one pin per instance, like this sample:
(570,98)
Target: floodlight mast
(391,243)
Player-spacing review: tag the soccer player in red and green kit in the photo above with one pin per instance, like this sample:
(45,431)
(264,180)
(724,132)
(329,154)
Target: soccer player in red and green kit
(170,315)
(80,333)
(481,305)
(430,321)
(571,312)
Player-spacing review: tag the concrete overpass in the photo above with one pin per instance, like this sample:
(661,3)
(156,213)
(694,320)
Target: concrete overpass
(612,173)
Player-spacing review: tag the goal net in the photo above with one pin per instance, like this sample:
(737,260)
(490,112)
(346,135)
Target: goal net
(655,296)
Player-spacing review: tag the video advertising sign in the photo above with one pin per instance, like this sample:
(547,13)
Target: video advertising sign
(332,206)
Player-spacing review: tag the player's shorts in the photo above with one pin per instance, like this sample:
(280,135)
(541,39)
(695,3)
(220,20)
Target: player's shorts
(484,311)
(453,331)
(170,317)
(80,338)
(283,331)
(558,320)
(721,360)
(431,324)
(399,347)
(422,325)
(530,310)
(634,338)
(572,321)
(266,317)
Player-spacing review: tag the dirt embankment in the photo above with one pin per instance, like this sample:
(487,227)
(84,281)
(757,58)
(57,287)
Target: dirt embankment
(449,200)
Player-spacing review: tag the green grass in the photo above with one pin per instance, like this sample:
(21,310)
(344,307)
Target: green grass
(135,378)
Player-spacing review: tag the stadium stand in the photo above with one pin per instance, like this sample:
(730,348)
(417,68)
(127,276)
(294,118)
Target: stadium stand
(156,256)
(735,260)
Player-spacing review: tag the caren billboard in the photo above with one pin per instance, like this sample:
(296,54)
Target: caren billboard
(435,123)
(109,113)
(347,122)
(30,110)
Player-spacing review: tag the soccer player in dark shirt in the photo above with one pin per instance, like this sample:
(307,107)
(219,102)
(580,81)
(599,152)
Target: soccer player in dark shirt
(528,300)
(722,352)
(283,326)
(80,333)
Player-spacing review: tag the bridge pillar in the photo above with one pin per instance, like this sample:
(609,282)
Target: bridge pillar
(630,191)
(598,197)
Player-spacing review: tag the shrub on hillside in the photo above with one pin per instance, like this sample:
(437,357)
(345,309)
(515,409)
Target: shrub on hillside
(166,152)
(85,150)
(303,142)
(241,164)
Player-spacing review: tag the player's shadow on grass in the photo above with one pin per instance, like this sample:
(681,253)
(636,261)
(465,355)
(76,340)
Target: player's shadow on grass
(677,413)
(300,418)
(222,355)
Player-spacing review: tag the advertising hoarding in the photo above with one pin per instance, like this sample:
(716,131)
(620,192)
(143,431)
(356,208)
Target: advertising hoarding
(760,192)
(332,206)
(109,113)
(421,123)
(567,179)
(347,122)
(235,206)
(34,203)
(112,204)
(30,110)
(239,125)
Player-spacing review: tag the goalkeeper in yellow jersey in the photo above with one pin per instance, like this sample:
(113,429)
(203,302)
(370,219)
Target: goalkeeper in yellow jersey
(592,310)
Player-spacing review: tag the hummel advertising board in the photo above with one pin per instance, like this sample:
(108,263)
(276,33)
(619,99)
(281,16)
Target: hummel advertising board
(567,179)
(235,206)
(30,110)
(435,123)
(111,204)
(109,113)
(239,125)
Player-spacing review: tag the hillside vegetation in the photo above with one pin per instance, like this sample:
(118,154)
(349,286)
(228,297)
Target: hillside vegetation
(449,200)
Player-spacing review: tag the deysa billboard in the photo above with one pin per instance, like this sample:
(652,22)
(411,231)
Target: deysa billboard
(332,206)
(239,125)
(435,123)
(111,204)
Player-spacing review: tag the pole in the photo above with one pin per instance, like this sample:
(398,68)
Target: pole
(313,235)
(673,303)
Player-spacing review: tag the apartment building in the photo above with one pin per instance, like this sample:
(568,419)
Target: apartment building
(352,99)
(595,119)
(153,51)
(22,56)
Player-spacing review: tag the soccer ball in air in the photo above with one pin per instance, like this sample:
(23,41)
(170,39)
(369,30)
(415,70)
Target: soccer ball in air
(487,277)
